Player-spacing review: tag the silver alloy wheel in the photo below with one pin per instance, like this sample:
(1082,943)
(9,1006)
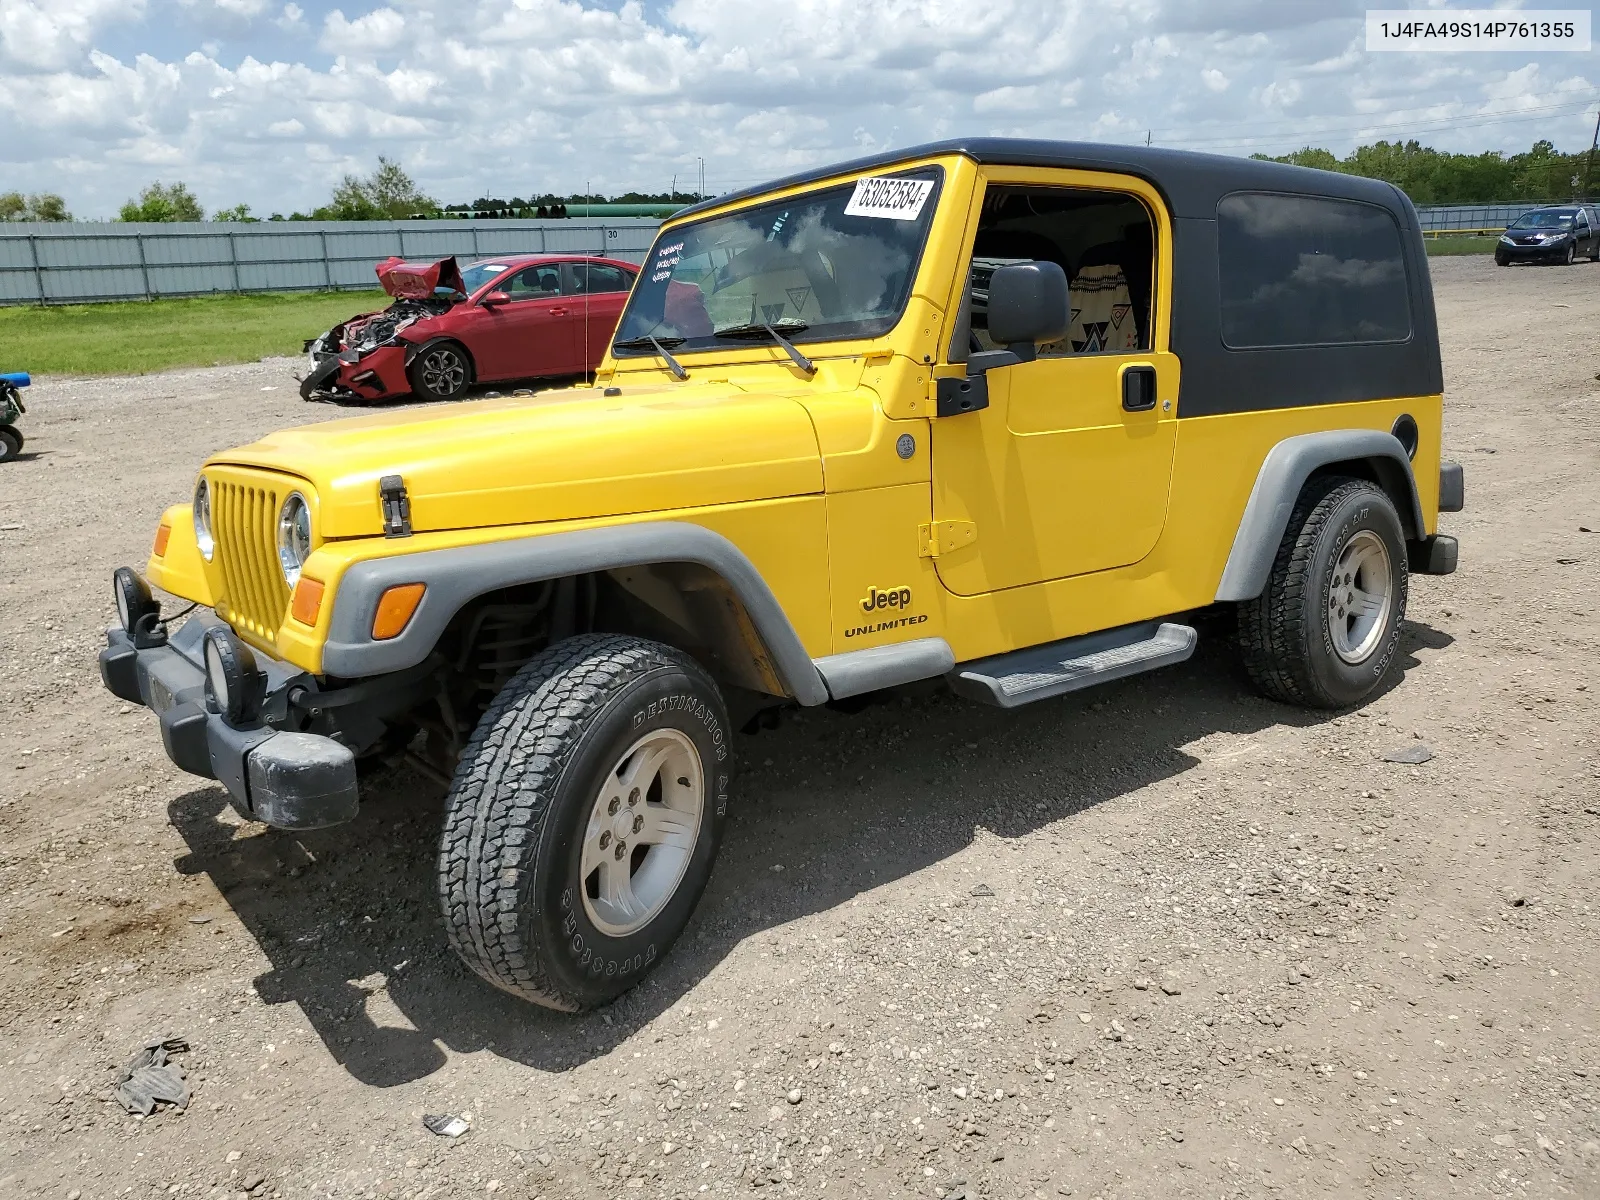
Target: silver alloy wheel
(1360,597)
(443,371)
(641,832)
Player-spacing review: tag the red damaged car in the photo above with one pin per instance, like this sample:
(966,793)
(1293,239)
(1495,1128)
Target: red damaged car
(519,317)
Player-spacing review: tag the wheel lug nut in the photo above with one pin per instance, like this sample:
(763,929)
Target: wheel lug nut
(633,798)
(622,849)
(613,806)
(605,840)
(638,822)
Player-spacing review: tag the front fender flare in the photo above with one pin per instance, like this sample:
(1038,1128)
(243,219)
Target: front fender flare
(456,576)
(1283,474)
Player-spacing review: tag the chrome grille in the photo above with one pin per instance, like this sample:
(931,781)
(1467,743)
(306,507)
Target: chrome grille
(244,519)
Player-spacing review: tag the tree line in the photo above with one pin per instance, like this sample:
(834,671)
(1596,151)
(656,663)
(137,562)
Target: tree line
(1427,175)
(1432,176)
(387,194)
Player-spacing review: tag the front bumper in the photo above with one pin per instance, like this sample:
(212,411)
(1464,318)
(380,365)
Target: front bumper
(378,374)
(284,778)
(1540,253)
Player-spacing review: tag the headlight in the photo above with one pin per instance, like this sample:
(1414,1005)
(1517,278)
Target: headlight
(294,536)
(202,520)
(1506,238)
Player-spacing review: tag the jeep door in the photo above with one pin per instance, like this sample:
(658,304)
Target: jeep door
(1068,469)
(533,333)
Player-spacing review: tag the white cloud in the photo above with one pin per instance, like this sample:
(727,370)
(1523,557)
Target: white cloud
(40,35)
(513,96)
(231,18)
(379,30)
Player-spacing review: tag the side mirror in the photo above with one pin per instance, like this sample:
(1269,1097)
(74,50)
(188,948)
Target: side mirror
(1028,304)
(494,298)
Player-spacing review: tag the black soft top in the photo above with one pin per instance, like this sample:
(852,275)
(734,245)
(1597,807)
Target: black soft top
(1191,183)
(1218,379)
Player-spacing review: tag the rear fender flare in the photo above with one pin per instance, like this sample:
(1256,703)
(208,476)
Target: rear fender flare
(457,576)
(1283,474)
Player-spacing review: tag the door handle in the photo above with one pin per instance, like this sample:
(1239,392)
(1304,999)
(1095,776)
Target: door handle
(1138,387)
(558,312)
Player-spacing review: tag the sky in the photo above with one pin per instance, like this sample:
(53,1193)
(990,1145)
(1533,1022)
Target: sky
(270,103)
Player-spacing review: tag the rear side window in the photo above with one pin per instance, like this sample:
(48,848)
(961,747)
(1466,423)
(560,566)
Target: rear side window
(1308,271)
(594,278)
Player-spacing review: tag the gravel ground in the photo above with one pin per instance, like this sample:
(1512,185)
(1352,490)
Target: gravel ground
(1161,939)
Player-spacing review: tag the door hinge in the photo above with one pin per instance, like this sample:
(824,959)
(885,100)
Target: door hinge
(396,506)
(943,537)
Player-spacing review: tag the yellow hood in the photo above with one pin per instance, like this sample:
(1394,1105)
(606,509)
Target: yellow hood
(557,456)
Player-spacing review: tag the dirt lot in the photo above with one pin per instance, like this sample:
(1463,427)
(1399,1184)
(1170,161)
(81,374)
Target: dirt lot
(1162,939)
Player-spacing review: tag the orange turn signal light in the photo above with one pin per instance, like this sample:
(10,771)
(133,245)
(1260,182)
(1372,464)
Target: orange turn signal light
(162,534)
(395,608)
(307,601)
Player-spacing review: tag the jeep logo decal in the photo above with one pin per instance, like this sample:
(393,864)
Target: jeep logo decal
(899,597)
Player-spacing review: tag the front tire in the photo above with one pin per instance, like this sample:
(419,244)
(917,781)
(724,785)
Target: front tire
(10,443)
(441,371)
(584,819)
(1571,255)
(1324,631)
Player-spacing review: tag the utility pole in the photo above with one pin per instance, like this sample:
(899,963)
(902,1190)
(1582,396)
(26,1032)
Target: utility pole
(1148,134)
(674,189)
(1589,162)
(702,194)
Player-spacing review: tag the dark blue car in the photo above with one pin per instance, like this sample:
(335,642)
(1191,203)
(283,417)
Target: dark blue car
(1558,234)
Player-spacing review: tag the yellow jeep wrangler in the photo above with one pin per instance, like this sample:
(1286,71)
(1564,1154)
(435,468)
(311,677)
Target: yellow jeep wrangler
(997,412)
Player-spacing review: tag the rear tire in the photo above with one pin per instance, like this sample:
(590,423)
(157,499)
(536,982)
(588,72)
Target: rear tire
(584,819)
(1318,638)
(442,371)
(10,443)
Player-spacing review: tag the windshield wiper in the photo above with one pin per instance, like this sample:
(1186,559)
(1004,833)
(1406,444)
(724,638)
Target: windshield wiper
(660,346)
(757,328)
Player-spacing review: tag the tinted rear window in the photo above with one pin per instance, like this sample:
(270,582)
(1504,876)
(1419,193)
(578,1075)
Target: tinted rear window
(1306,271)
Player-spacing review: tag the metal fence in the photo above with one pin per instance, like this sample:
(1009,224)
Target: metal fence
(77,263)
(1478,216)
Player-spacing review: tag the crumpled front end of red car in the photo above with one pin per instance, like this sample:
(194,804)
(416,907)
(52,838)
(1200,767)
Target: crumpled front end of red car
(365,358)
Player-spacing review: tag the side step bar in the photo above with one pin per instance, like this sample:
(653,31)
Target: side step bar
(1039,672)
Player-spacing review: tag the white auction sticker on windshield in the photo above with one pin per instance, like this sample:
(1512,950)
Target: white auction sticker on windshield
(895,199)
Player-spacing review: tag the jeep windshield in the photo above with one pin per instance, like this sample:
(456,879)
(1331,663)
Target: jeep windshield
(827,265)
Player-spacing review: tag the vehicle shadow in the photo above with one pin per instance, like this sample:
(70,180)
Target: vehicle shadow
(349,919)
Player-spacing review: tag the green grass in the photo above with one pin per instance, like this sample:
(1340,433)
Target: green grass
(141,336)
(1460,245)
